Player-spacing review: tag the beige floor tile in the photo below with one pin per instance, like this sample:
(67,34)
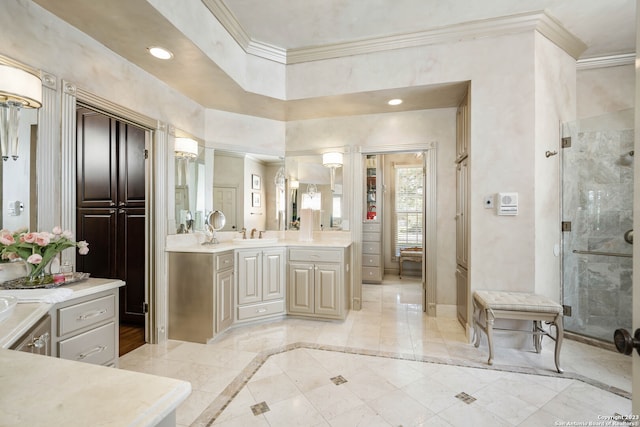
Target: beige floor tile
(382,389)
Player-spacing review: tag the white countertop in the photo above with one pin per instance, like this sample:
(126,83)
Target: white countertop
(46,391)
(193,242)
(25,315)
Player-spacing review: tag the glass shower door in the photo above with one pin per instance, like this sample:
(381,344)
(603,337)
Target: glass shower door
(597,215)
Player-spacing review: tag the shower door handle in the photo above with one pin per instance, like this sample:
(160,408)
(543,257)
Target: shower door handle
(625,343)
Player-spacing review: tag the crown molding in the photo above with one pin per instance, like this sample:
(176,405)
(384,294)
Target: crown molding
(531,21)
(606,61)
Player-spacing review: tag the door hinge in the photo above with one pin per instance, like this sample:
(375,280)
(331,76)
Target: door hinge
(145,307)
(146,154)
(566,225)
(566,310)
(566,142)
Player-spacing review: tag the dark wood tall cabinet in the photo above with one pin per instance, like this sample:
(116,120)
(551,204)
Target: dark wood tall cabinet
(111,205)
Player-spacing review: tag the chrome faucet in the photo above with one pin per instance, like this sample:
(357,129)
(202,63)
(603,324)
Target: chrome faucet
(253,232)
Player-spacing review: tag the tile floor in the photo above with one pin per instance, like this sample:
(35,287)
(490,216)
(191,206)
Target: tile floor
(386,365)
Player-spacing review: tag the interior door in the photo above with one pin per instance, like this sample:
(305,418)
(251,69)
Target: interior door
(224,199)
(111,199)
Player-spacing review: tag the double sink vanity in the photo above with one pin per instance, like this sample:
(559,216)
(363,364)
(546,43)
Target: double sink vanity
(234,282)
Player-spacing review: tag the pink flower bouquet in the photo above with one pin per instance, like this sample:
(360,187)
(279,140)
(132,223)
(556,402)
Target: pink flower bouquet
(37,249)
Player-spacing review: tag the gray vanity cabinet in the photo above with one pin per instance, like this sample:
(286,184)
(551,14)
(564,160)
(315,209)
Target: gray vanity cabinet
(86,329)
(200,295)
(318,282)
(224,290)
(260,282)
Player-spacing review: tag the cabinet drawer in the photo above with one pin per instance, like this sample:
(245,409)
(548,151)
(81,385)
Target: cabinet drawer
(78,316)
(371,260)
(95,346)
(371,248)
(370,237)
(371,227)
(315,255)
(260,310)
(371,273)
(224,261)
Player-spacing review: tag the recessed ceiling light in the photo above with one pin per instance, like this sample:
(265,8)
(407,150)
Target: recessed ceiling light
(160,52)
(395,102)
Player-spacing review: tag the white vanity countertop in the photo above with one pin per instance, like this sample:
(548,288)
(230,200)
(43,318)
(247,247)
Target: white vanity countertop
(47,391)
(193,242)
(25,315)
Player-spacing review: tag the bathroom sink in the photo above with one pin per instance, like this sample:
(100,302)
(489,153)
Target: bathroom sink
(7,304)
(256,242)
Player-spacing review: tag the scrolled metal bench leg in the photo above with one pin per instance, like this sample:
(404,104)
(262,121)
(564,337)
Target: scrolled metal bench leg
(537,337)
(490,319)
(559,334)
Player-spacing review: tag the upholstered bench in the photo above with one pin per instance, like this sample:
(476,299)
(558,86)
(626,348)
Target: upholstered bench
(492,305)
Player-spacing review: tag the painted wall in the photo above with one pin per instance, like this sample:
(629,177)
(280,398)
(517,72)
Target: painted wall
(555,95)
(605,90)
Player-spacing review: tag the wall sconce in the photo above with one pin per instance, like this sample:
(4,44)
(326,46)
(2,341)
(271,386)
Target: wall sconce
(186,148)
(18,89)
(332,161)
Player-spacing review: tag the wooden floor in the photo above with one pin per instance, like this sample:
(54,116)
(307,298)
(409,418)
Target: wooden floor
(131,337)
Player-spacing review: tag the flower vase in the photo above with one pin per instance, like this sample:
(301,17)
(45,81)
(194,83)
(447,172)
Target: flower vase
(39,275)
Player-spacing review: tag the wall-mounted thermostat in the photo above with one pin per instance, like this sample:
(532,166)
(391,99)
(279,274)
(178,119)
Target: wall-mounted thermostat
(507,204)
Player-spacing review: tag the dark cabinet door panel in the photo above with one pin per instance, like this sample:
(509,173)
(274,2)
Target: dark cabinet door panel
(98,227)
(131,264)
(131,160)
(96,159)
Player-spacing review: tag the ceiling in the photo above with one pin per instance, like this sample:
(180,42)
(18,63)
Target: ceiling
(128,27)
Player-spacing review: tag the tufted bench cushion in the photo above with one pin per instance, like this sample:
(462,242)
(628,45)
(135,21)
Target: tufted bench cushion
(518,301)
(491,305)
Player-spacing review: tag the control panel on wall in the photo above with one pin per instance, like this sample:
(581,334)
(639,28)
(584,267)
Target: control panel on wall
(14,208)
(507,204)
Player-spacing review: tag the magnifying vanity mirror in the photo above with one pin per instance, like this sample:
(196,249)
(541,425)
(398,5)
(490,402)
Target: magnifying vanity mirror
(215,222)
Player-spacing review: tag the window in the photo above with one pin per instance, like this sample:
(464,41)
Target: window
(408,207)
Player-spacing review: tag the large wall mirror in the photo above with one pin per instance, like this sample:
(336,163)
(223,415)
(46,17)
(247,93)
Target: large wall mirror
(248,188)
(18,196)
(315,182)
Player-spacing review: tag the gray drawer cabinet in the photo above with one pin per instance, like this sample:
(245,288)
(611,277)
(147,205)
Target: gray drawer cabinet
(86,329)
(372,267)
(318,282)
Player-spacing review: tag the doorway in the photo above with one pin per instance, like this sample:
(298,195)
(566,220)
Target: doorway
(111,207)
(406,213)
(597,215)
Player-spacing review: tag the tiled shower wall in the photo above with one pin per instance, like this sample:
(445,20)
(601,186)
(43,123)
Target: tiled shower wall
(597,173)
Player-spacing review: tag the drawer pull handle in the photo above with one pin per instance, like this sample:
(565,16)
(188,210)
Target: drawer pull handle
(94,313)
(97,349)
(40,341)
(261,310)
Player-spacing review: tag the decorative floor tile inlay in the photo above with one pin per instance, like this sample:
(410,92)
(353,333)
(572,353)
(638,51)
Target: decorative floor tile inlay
(338,380)
(465,397)
(260,408)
